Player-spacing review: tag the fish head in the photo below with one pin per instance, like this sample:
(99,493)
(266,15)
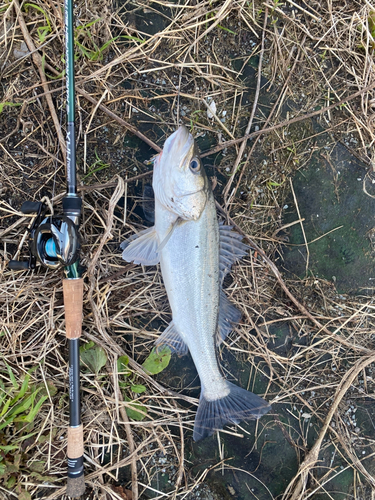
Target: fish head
(180,182)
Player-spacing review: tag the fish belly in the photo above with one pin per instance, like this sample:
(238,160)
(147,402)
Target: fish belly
(190,269)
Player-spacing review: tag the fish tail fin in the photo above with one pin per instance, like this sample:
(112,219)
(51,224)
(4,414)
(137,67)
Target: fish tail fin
(236,406)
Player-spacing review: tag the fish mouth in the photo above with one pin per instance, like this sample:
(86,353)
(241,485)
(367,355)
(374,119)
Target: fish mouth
(192,192)
(179,143)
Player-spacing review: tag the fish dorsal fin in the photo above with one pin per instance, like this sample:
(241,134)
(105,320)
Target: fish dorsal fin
(171,338)
(142,248)
(229,315)
(231,249)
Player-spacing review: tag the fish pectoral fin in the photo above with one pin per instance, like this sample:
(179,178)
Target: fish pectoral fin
(231,249)
(229,315)
(142,248)
(171,338)
(166,239)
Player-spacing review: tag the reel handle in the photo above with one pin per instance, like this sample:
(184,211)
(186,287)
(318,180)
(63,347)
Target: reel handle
(19,265)
(30,207)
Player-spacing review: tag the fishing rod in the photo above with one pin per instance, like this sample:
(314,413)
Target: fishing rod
(54,241)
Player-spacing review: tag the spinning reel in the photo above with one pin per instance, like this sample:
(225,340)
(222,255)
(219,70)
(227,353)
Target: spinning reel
(53,240)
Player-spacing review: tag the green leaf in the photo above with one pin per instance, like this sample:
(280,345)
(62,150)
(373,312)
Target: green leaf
(122,364)
(8,447)
(138,389)
(94,358)
(12,469)
(42,479)
(135,410)
(33,412)
(2,104)
(86,347)
(37,466)
(36,7)
(157,360)
(52,389)
(12,377)
(134,38)
(24,495)
(24,387)
(11,482)
(123,385)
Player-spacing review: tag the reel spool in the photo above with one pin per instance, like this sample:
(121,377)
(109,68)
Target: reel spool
(53,241)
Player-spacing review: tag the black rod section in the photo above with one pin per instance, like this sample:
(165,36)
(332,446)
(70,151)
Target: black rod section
(74,396)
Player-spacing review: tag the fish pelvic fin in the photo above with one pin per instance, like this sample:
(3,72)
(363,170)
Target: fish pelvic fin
(231,249)
(171,338)
(229,316)
(233,408)
(142,248)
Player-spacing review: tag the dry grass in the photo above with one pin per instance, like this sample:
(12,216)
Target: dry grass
(316,57)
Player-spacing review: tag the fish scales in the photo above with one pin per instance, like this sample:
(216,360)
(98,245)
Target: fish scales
(195,253)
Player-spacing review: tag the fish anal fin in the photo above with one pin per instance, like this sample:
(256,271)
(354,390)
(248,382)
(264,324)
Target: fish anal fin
(141,248)
(229,316)
(235,407)
(231,249)
(171,338)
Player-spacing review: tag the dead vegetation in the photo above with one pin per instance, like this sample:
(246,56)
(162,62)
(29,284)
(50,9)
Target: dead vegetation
(142,67)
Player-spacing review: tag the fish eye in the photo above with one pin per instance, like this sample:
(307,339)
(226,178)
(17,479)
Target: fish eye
(195,165)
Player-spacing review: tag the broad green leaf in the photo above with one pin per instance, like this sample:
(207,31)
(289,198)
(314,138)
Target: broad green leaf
(11,482)
(12,469)
(24,495)
(42,479)
(123,385)
(52,389)
(138,389)
(37,466)
(122,364)
(135,410)
(157,360)
(86,347)
(94,358)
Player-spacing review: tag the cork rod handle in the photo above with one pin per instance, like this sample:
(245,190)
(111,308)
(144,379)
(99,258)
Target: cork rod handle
(73,300)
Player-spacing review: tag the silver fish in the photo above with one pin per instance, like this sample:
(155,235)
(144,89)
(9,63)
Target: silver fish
(195,253)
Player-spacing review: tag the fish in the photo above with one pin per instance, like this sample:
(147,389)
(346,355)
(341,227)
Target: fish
(195,252)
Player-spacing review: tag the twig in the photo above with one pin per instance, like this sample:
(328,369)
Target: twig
(38,63)
(119,120)
(286,123)
(255,104)
(302,228)
(129,434)
(297,486)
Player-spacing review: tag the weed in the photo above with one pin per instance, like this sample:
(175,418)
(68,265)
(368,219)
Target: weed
(97,166)
(83,38)
(95,358)
(20,403)
(42,31)
(10,104)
